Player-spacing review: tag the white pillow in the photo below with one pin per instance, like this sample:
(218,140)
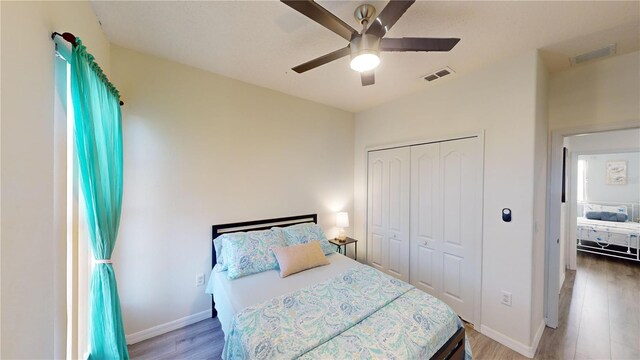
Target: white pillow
(592,207)
(621,209)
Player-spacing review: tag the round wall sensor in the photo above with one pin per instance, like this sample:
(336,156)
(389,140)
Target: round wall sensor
(506,215)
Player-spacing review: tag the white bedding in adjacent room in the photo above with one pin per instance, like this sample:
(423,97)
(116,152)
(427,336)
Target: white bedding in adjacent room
(232,296)
(623,234)
(622,227)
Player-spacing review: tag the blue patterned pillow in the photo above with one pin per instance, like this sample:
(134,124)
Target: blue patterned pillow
(218,243)
(250,252)
(303,233)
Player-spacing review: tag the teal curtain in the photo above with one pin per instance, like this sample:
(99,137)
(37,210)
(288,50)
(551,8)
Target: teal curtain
(98,139)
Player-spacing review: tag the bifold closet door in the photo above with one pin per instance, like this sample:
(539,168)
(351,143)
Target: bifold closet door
(388,211)
(426,219)
(446,215)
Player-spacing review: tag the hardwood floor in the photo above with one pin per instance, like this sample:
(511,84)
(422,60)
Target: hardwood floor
(202,340)
(599,312)
(599,319)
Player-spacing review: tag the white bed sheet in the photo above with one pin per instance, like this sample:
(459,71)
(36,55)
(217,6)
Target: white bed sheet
(621,227)
(623,234)
(232,296)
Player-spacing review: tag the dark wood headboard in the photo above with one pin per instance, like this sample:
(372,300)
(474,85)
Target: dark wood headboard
(254,225)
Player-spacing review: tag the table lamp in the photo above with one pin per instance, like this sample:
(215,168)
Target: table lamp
(342,221)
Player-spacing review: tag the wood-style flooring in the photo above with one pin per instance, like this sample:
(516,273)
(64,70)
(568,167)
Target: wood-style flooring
(599,312)
(599,319)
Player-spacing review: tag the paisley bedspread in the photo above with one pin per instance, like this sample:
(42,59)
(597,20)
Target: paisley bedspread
(361,313)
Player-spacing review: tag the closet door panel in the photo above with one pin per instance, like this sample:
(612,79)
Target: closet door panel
(395,254)
(425,272)
(376,176)
(427,185)
(399,173)
(426,229)
(377,252)
(452,276)
(376,212)
(452,168)
(388,211)
(461,191)
(395,194)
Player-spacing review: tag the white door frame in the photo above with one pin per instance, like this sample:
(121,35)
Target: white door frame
(570,215)
(421,141)
(554,191)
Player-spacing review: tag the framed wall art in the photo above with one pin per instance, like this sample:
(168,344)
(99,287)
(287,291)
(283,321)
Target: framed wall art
(616,172)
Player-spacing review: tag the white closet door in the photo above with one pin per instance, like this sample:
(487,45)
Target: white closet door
(446,190)
(388,211)
(426,219)
(461,178)
(377,221)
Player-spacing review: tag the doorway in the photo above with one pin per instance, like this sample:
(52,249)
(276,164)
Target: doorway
(565,205)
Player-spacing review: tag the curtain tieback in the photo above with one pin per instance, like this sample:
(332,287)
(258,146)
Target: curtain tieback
(107,261)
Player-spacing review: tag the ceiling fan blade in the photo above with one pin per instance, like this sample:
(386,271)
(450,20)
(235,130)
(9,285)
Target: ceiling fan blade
(368,78)
(322,60)
(388,17)
(417,44)
(322,16)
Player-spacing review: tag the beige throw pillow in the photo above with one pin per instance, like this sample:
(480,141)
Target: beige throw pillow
(296,258)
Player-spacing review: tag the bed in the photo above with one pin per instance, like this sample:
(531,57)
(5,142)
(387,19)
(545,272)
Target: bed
(610,238)
(341,310)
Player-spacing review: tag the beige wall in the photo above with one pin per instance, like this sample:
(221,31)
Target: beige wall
(32,253)
(501,100)
(601,93)
(203,149)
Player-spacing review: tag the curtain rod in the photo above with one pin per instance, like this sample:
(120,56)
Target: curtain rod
(70,38)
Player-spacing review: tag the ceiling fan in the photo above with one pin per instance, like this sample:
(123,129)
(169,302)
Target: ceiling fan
(365,47)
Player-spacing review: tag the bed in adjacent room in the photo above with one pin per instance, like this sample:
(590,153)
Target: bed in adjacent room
(609,230)
(343,309)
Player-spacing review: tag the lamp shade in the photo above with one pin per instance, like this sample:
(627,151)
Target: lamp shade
(342,220)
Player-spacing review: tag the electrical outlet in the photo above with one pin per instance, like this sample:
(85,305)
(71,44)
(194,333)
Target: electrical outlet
(199,279)
(506,298)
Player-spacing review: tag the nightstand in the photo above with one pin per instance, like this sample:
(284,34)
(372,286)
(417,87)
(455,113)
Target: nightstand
(342,244)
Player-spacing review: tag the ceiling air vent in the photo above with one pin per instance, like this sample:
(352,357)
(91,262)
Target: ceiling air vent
(438,74)
(595,54)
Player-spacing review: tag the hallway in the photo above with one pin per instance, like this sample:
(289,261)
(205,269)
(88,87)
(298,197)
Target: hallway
(599,312)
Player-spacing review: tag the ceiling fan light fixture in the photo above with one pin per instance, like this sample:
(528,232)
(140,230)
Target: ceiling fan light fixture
(365,52)
(365,46)
(365,62)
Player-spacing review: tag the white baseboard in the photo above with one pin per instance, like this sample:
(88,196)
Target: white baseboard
(562,280)
(528,351)
(166,327)
(537,337)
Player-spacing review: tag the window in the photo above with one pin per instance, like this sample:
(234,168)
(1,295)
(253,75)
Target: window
(582,180)
(72,218)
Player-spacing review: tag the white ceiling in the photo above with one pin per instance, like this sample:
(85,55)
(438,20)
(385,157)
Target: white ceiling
(259,41)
